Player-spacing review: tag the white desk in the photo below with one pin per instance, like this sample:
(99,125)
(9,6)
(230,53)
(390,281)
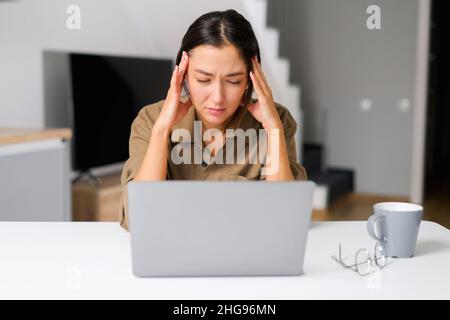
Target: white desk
(91,260)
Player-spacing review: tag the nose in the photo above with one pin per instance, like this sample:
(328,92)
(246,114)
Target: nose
(218,96)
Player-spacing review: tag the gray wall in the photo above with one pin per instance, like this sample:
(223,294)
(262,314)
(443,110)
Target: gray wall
(56,85)
(337,62)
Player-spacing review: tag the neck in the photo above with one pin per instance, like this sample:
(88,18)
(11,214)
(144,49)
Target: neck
(206,125)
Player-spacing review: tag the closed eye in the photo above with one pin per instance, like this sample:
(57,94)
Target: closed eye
(232,82)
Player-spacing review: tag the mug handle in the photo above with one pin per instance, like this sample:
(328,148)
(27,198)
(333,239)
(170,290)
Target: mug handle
(373,219)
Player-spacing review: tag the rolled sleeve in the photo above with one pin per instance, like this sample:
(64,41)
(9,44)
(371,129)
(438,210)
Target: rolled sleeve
(138,143)
(290,128)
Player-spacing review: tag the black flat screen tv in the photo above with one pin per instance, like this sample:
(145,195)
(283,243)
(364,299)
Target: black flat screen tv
(107,94)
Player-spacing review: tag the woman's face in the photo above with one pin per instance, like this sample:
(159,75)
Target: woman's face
(217,79)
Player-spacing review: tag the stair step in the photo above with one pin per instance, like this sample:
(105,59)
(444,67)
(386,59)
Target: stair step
(312,158)
(338,181)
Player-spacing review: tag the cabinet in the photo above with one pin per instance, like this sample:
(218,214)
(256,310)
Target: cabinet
(34,175)
(97,202)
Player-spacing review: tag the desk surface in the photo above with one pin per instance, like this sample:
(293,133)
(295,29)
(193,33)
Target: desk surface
(91,260)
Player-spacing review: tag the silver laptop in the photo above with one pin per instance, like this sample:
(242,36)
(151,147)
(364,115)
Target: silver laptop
(217,228)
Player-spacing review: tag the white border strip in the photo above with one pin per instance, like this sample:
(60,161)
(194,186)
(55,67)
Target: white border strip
(420,97)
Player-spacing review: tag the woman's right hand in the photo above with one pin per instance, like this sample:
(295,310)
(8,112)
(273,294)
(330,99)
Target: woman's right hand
(173,109)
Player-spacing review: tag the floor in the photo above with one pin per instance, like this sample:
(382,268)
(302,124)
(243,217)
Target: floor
(359,207)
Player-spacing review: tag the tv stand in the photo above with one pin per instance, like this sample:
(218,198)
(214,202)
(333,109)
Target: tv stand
(87,175)
(96,198)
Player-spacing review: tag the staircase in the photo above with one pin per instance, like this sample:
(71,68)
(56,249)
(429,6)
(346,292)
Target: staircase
(275,68)
(332,183)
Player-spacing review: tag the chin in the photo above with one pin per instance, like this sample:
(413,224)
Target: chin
(215,120)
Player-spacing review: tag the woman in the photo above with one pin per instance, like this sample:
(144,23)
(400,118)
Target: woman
(218,67)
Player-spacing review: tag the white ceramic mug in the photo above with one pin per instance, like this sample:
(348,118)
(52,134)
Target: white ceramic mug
(396,226)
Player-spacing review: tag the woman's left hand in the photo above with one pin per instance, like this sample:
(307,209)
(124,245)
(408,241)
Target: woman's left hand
(263,109)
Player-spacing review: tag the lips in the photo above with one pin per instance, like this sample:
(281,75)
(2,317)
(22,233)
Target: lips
(215,111)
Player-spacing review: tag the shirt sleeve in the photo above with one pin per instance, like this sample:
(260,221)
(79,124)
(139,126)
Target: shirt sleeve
(290,128)
(139,140)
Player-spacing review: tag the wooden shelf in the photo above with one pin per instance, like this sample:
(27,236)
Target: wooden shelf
(97,203)
(18,135)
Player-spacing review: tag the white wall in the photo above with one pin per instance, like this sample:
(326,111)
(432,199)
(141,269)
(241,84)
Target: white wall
(132,27)
(338,61)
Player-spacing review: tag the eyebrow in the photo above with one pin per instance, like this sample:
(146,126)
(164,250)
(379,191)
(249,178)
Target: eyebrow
(238,73)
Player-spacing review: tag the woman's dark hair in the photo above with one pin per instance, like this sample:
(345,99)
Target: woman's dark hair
(219,28)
